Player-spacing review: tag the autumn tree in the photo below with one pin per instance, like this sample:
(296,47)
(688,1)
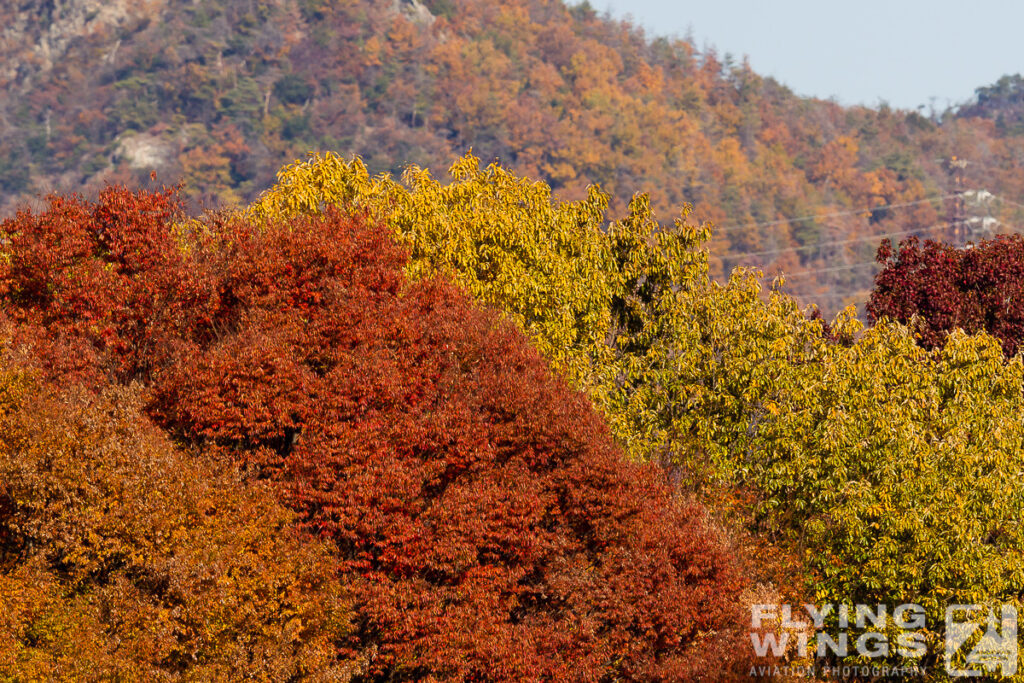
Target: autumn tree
(488,524)
(481,515)
(938,288)
(123,557)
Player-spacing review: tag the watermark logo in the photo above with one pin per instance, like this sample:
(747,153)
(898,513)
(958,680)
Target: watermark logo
(860,630)
(981,640)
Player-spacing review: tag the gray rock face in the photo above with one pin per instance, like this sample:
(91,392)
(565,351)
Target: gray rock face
(43,30)
(416,11)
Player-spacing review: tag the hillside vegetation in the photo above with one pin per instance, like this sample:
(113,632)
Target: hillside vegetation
(393,412)
(221,93)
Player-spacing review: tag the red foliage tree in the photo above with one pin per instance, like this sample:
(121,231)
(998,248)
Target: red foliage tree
(105,286)
(488,526)
(944,288)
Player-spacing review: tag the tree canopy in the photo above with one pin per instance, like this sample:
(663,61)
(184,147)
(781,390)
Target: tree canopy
(481,520)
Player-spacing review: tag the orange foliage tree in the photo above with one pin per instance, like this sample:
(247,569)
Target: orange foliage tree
(124,558)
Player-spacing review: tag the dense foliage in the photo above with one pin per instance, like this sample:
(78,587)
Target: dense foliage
(124,558)
(580,290)
(223,92)
(899,470)
(938,288)
(481,519)
(283,442)
(627,311)
(887,469)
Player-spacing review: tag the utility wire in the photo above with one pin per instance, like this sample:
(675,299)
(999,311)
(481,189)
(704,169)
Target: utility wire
(1008,201)
(869,237)
(864,238)
(836,268)
(834,214)
(831,269)
(834,293)
(851,266)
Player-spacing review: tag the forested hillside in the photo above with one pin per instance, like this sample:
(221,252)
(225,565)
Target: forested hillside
(221,93)
(352,403)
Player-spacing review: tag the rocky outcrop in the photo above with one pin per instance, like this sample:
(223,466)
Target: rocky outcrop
(143,150)
(39,33)
(415,11)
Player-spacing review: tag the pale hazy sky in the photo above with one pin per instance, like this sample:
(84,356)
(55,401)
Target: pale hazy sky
(904,52)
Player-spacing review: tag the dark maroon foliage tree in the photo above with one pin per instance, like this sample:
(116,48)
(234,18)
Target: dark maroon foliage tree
(944,288)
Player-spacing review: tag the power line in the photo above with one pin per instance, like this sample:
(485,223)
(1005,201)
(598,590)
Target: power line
(1008,201)
(831,269)
(835,214)
(831,292)
(860,239)
(815,245)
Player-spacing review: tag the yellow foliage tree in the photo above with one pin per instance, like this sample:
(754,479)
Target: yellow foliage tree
(558,269)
